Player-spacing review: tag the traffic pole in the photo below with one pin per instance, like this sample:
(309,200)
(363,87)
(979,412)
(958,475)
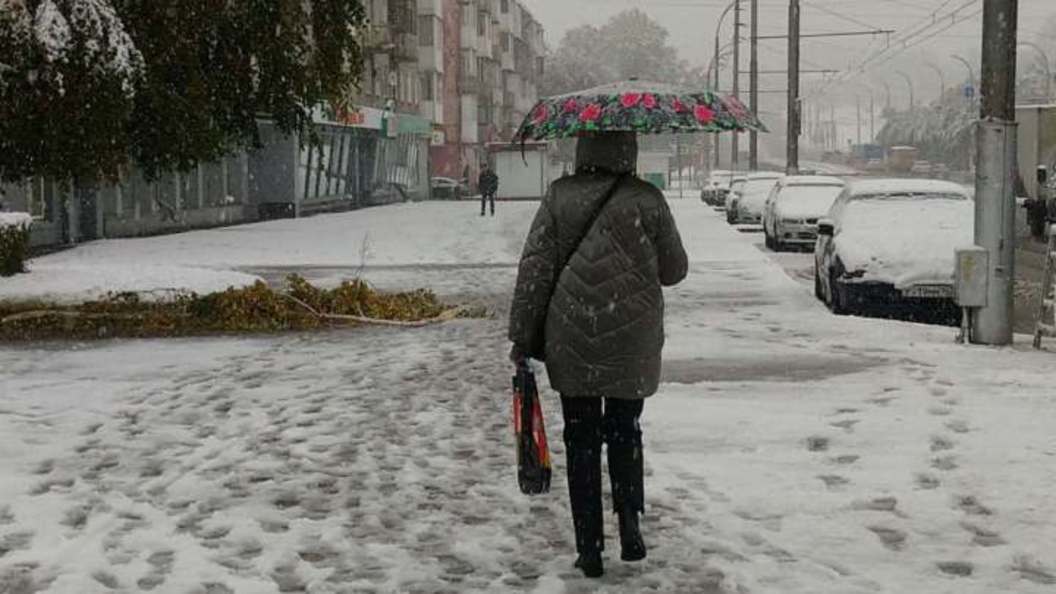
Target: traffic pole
(995,200)
(792,164)
(735,159)
(753,137)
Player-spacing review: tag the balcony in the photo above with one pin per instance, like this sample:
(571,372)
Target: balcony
(376,37)
(406,48)
(469,84)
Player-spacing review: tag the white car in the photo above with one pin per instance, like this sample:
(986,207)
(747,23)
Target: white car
(793,208)
(736,187)
(891,242)
(749,205)
(717,187)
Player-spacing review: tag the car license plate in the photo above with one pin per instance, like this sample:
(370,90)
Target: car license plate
(929,292)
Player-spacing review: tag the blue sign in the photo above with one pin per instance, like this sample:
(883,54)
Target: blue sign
(969,91)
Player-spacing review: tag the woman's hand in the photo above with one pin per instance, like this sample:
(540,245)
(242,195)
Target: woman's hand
(518,356)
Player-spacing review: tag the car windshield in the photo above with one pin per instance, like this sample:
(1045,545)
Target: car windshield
(889,214)
(721,179)
(902,196)
(759,186)
(737,185)
(811,193)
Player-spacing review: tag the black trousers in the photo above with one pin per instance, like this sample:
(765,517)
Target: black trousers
(588,422)
(484,198)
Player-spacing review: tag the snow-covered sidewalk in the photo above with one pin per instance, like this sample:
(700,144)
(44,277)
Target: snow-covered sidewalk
(374,240)
(788,451)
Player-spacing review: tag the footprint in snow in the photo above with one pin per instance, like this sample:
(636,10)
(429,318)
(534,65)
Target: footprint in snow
(891,538)
(983,537)
(956,568)
(926,481)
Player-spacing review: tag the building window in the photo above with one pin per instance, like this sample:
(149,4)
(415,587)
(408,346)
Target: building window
(505,5)
(506,42)
(428,90)
(425,31)
(482,23)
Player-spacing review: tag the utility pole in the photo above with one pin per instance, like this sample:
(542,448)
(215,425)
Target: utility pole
(995,205)
(834,129)
(792,165)
(753,137)
(872,119)
(858,99)
(715,70)
(735,140)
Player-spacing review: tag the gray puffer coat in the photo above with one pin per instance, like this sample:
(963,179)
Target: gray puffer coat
(598,323)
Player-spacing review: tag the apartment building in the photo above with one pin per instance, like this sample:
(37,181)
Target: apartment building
(492,54)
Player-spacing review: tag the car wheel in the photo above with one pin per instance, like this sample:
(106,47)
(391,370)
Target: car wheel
(818,289)
(837,297)
(779,246)
(731,217)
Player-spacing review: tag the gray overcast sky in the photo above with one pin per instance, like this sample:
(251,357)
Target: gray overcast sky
(692,26)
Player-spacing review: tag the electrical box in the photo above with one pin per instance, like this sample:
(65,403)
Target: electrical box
(972,276)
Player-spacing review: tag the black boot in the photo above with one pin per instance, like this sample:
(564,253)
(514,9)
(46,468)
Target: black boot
(583,447)
(631,544)
(626,471)
(590,564)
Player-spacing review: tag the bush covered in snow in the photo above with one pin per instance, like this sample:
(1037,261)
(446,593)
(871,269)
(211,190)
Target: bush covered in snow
(253,309)
(14,242)
(88,87)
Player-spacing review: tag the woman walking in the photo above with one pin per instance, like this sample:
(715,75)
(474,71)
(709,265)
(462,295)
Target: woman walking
(589,303)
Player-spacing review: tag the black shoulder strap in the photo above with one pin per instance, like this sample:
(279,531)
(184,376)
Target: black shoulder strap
(590,225)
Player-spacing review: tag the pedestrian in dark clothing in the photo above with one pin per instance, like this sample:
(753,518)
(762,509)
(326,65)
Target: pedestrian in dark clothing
(488,182)
(597,322)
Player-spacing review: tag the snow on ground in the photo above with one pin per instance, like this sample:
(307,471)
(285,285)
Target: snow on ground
(373,240)
(789,451)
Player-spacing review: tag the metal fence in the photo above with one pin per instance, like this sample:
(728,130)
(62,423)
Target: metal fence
(350,168)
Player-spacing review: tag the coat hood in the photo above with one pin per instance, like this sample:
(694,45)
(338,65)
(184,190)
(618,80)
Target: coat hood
(615,152)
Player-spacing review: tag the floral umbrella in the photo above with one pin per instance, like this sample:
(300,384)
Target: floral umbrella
(635,106)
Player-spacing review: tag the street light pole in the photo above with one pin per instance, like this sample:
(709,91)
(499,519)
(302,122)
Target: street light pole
(909,81)
(1046,63)
(715,70)
(995,199)
(968,65)
(942,80)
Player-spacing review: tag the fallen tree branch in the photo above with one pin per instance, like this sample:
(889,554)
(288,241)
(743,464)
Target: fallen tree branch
(445,316)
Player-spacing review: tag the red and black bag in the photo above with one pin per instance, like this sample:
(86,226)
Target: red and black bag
(533,454)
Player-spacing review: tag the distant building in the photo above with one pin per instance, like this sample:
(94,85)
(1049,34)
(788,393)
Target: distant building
(492,62)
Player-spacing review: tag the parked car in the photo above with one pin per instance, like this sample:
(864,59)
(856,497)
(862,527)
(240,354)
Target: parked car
(716,187)
(736,187)
(921,168)
(749,205)
(891,242)
(446,188)
(794,207)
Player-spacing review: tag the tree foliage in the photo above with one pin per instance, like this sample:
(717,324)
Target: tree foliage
(629,45)
(190,84)
(67,86)
(942,131)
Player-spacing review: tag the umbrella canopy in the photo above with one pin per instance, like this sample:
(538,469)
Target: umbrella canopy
(636,106)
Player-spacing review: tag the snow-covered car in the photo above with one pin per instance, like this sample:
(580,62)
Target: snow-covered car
(736,187)
(749,205)
(446,188)
(716,188)
(794,207)
(892,242)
